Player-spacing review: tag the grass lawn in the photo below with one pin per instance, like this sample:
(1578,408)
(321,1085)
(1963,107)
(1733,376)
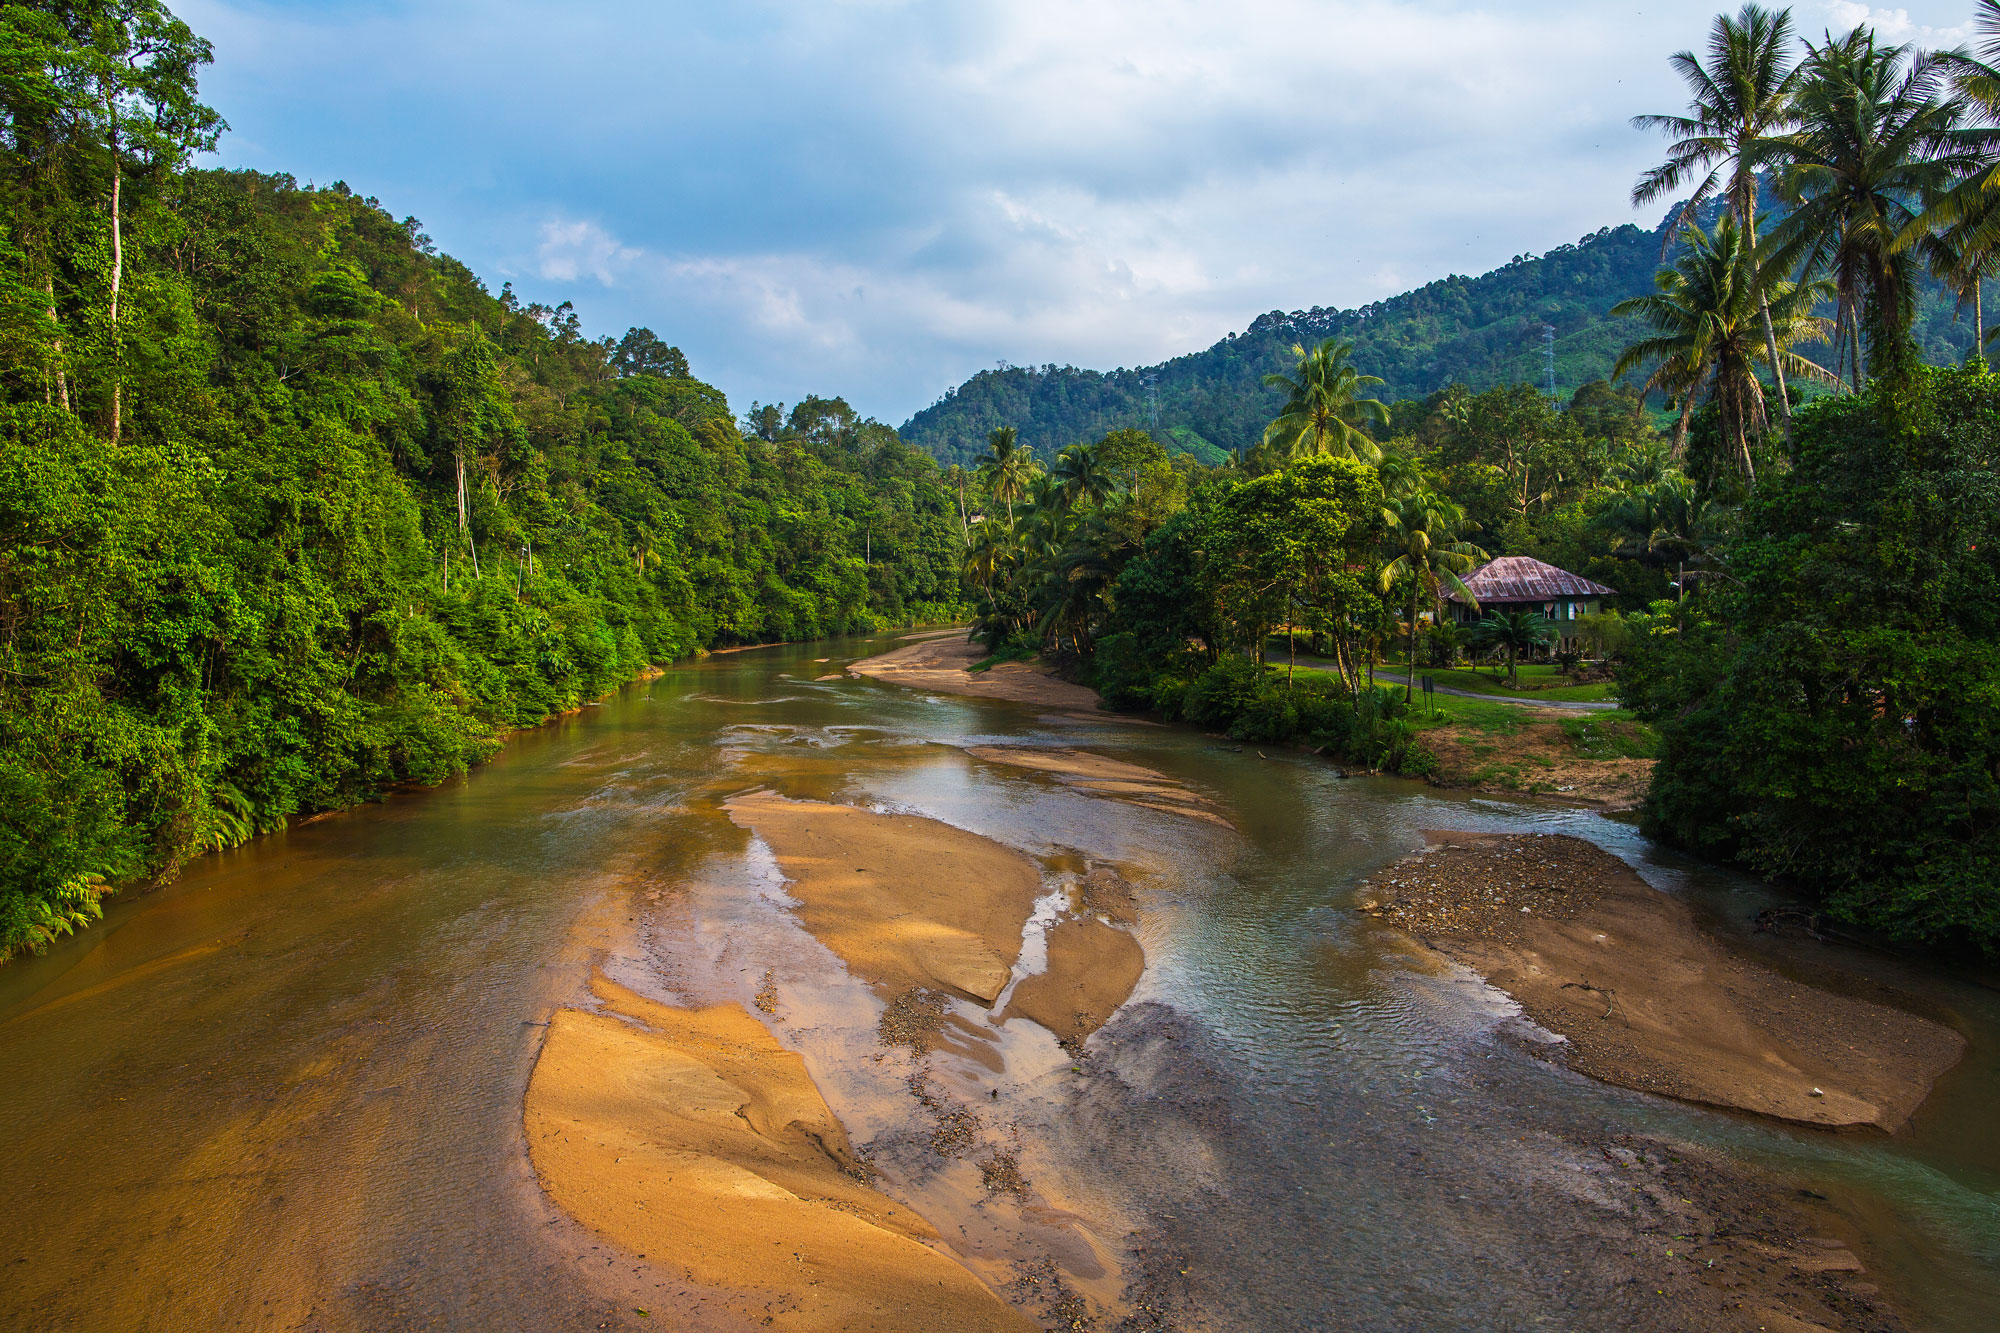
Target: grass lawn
(1538,681)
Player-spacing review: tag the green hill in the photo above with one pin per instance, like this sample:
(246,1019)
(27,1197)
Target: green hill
(1480,332)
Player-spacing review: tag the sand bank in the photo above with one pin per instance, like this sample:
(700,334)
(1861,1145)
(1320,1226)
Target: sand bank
(903,901)
(1106,777)
(1645,998)
(940,664)
(1092,970)
(700,1142)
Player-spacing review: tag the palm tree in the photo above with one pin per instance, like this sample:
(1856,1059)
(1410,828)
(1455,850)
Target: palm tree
(1323,398)
(1706,310)
(1080,476)
(1738,100)
(1516,631)
(1428,552)
(1958,234)
(1962,254)
(1872,141)
(1007,468)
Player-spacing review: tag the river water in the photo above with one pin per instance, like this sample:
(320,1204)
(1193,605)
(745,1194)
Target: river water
(285,1091)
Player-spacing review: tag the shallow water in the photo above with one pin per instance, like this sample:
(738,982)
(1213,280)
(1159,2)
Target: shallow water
(285,1091)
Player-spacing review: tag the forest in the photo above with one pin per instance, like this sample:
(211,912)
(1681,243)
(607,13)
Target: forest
(1805,545)
(294,511)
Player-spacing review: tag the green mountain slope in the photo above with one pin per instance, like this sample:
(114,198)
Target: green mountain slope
(1479,332)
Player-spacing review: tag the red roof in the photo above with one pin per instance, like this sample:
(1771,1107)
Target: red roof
(1520,578)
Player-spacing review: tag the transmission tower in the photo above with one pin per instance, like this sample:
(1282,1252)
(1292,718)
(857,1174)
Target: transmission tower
(1549,355)
(1153,399)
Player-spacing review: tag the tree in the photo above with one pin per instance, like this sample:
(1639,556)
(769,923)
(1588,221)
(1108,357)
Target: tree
(1430,557)
(1958,234)
(1323,400)
(135,82)
(1738,101)
(1516,632)
(1707,309)
(1873,139)
(1007,469)
(1081,478)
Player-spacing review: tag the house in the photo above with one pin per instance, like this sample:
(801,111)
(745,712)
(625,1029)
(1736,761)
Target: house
(1521,583)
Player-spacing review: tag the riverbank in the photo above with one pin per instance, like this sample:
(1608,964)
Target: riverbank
(1645,999)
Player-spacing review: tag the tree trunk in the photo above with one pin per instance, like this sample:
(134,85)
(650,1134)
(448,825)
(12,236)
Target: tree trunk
(464,524)
(1681,426)
(1292,650)
(117,281)
(1854,337)
(447,572)
(1978,320)
(62,379)
(1777,369)
(1410,676)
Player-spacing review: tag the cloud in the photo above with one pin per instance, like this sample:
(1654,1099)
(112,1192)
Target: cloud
(570,250)
(878,197)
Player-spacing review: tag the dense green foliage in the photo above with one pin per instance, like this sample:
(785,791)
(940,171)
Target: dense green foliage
(292,510)
(1832,711)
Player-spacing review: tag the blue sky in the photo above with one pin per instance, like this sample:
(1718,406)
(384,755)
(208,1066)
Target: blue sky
(876,198)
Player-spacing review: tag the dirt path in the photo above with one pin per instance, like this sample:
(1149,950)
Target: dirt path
(1647,1000)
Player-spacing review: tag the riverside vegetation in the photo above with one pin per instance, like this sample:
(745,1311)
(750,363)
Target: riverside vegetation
(293,510)
(1806,546)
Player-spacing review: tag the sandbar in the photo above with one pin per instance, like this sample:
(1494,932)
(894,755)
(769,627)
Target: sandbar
(1105,777)
(1092,970)
(1645,998)
(904,901)
(940,664)
(691,1136)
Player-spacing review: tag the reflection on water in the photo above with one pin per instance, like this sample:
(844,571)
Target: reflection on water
(285,1091)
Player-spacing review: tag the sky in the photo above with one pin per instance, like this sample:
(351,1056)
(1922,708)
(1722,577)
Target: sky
(878,198)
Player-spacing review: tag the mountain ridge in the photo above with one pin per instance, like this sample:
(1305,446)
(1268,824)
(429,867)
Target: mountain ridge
(1480,331)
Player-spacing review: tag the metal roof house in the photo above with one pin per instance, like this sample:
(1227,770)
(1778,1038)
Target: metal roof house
(1522,583)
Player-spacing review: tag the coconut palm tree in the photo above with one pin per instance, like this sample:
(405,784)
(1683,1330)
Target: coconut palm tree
(1873,140)
(1707,310)
(1738,100)
(1428,552)
(1322,403)
(1080,476)
(1007,468)
(1958,234)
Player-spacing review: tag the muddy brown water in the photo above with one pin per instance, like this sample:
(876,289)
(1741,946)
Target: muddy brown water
(285,1091)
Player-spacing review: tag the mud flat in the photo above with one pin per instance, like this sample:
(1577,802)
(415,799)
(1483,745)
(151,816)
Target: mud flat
(1647,1000)
(940,664)
(1105,777)
(692,1136)
(904,901)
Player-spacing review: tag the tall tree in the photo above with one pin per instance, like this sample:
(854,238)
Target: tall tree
(1323,405)
(1007,469)
(1873,140)
(135,85)
(1706,311)
(1738,99)
(1429,554)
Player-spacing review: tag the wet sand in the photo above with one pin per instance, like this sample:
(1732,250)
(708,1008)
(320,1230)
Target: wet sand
(905,902)
(940,663)
(1092,970)
(691,1135)
(1105,777)
(1646,999)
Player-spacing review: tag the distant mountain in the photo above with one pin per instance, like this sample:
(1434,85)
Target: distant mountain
(1479,332)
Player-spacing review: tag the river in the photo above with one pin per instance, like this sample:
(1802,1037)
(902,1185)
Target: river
(285,1091)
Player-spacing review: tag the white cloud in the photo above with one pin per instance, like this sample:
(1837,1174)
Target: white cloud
(1893,25)
(877,197)
(571,250)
